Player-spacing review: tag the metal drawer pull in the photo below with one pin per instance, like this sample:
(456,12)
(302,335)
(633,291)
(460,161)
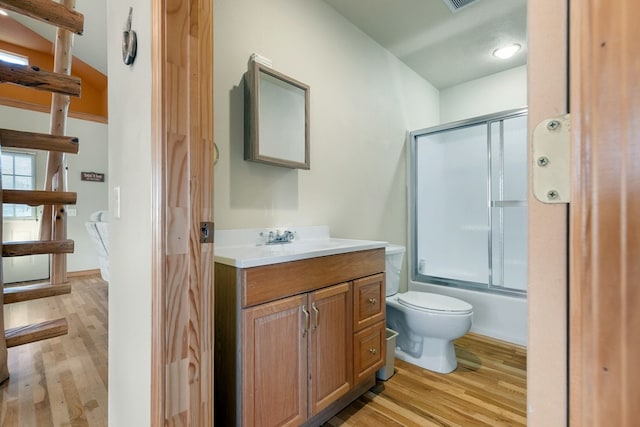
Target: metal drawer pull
(306,322)
(315,309)
(373,300)
(373,351)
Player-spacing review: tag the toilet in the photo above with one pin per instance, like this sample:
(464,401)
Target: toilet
(427,323)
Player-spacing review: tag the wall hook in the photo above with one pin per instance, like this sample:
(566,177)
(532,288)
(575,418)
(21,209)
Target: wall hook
(129,42)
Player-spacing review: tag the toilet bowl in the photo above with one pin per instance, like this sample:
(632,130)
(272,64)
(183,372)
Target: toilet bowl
(427,323)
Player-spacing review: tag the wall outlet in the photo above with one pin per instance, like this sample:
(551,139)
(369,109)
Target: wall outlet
(72,212)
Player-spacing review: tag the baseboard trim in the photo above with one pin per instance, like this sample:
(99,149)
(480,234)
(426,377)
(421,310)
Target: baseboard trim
(83,273)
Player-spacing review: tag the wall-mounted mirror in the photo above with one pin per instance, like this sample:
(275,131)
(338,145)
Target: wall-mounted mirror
(276,118)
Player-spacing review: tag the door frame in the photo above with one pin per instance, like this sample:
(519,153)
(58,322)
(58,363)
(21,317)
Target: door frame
(182,185)
(547,22)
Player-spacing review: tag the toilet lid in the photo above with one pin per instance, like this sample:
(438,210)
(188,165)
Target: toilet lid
(434,302)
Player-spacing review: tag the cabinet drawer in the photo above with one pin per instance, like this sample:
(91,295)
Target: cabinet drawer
(368,301)
(368,351)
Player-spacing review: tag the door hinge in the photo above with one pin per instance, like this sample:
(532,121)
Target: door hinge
(551,160)
(206,232)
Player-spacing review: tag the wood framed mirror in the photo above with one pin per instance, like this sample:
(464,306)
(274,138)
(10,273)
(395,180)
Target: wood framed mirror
(276,118)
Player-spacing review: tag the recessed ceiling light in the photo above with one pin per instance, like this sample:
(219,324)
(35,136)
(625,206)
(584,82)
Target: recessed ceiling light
(3,13)
(507,51)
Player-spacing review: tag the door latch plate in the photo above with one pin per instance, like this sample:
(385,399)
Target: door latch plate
(206,232)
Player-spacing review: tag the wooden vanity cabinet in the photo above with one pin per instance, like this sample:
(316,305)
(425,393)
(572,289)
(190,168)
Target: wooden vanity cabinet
(285,337)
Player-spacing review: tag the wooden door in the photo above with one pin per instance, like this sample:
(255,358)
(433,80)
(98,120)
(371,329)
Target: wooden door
(274,363)
(330,346)
(604,387)
(182,164)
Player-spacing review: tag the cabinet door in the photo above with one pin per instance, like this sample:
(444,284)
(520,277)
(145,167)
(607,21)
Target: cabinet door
(330,346)
(274,375)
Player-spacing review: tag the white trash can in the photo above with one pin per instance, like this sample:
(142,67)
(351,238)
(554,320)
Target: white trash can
(386,371)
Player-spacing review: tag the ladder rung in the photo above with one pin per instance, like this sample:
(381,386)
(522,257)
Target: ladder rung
(39,197)
(38,141)
(13,294)
(37,247)
(36,332)
(47,11)
(34,77)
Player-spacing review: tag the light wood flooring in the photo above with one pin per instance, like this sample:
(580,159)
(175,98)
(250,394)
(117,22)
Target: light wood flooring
(63,381)
(487,389)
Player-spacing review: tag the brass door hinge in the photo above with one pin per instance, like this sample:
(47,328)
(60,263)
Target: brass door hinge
(551,160)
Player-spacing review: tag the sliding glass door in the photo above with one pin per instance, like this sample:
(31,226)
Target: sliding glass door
(468,203)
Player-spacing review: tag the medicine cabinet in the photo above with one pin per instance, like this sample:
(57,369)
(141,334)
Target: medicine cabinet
(276,118)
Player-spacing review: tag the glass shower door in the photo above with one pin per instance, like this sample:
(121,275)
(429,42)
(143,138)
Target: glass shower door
(509,203)
(451,203)
(469,210)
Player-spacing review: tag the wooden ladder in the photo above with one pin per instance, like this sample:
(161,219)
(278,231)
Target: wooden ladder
(53,239)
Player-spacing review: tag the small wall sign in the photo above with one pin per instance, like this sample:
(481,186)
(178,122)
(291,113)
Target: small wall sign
(92,176)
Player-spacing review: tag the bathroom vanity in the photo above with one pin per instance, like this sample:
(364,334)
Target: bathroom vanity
(300,330)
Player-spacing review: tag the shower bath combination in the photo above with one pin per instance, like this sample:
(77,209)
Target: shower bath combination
(468,186)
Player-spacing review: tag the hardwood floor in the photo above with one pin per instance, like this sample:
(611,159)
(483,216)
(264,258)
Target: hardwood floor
(487,389)
(61,381)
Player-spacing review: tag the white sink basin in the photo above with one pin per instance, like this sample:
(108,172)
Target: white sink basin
(244,256)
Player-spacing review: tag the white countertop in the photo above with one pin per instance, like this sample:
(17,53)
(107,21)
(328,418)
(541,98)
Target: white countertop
(238,252)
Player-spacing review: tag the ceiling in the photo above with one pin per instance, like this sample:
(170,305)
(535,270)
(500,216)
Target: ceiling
(443,47)
(91,46)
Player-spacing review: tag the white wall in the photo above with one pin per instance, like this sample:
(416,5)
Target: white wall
(363,100)
(130,235)
(498,92)
(92,157)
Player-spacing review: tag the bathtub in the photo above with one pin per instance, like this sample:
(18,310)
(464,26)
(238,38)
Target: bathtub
(498,316)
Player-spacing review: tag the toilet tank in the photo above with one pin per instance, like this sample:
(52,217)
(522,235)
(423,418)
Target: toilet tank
(393,266)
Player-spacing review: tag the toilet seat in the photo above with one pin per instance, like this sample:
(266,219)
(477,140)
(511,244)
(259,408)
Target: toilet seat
(434,303)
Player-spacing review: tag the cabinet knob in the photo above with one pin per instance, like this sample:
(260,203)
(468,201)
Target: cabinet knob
(373,300)
(373,351)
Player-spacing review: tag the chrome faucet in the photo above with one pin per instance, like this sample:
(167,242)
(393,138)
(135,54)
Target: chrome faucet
(279,238)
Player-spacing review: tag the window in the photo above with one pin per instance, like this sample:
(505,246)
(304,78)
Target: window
(18,173)
(13,58)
